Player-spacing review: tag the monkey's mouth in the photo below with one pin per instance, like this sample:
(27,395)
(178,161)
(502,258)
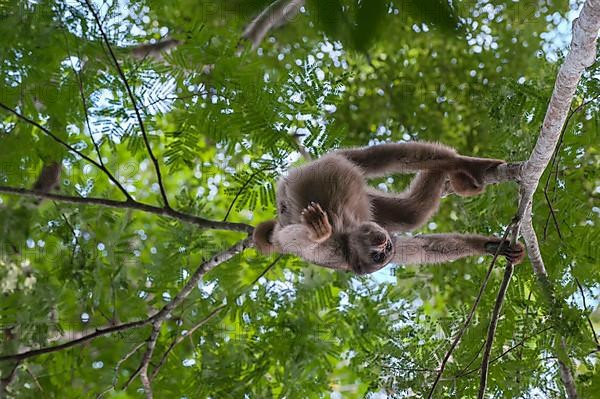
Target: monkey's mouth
(383,253)
(386,246)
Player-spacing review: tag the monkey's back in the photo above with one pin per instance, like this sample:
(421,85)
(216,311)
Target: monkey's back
(333,182)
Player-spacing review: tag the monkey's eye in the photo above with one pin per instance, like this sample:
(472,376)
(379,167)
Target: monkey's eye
(378,257)
(388,246)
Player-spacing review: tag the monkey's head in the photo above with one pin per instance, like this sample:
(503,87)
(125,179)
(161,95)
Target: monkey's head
(370,248)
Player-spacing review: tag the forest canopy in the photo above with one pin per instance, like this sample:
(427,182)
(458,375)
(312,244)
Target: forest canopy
(141,141)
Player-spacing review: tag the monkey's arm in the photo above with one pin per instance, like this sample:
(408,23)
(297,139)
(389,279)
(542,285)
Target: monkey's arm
(312,240)
(439,248)
(382,159)
(298,239)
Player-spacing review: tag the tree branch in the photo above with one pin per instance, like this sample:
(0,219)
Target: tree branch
(168,212)
(276,14)
(89,128)
(60,141)
(86,338)
(156,318)
(151,345)
(205,320)
(508,272)
(181,337)
(461,332)
(134,104)
(581,55)
(117,367)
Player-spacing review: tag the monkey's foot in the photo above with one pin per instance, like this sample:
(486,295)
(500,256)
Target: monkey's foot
(316,220)
(514,254)
(470,178)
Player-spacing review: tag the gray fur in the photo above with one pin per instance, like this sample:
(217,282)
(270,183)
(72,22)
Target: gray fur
(328,215)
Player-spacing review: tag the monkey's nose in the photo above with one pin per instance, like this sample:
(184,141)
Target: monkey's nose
(379,239)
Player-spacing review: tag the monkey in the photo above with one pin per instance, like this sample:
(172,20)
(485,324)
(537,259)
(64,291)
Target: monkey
(49,178)
(328,215)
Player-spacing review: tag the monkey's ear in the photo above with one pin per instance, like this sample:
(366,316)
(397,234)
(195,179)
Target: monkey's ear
(263,237)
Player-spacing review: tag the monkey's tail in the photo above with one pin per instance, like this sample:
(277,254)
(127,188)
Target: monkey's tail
(263,237)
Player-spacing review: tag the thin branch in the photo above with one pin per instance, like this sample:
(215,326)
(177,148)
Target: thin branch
(508,271)
(198,273)
(181,337)
(117,368)
(168,212)
(6,381)
(159,316)
(54,137)
(587,316)
(551,213)
(205,320)
(81,340)
(89,128)
(134,104)
(252,176)
(461,332)
(151,345)
(520,344)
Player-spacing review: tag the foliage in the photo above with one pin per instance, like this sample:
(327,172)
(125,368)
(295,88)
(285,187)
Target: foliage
(224,123)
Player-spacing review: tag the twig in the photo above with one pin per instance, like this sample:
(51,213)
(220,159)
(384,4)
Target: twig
(520,344)
(56,138)
(587,316)
(461,332)
(134,104)
(508,271)
(81,340)
(135,205)
(89,127)
(6,381)
(151,345)
(117,367)
(551,213)
(181,337)
(34,378)
(205,320)
(252,176)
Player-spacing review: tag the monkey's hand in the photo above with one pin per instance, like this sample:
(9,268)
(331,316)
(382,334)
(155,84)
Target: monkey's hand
(514,254)
(316,220)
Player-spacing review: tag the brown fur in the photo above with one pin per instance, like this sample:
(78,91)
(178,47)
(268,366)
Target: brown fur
(328,215)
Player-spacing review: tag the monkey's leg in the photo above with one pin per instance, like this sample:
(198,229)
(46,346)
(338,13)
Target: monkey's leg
(439,248)
(412,208)
(383,159)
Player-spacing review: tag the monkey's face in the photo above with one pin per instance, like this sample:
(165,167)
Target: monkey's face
(371,248)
